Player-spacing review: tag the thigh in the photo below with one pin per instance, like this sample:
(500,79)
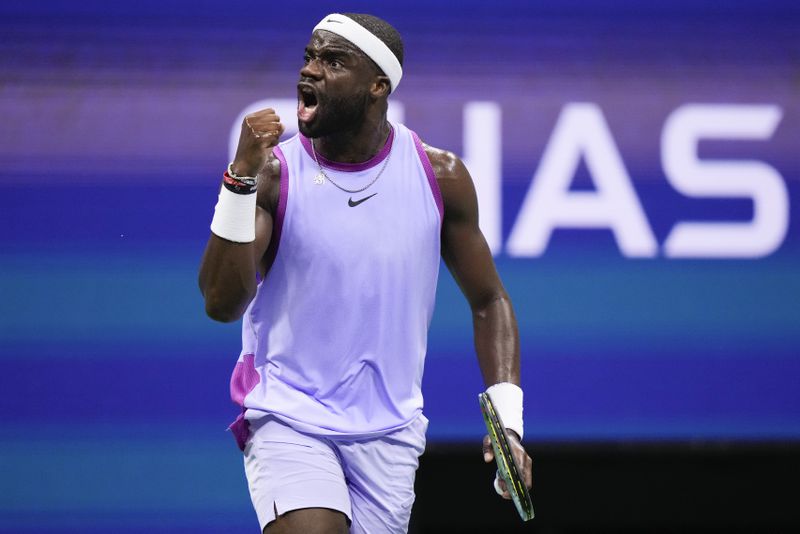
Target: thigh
(287,470)
(309,521)
(381,475)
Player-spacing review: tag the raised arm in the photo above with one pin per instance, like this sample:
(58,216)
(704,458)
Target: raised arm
(469,259)
(228,269)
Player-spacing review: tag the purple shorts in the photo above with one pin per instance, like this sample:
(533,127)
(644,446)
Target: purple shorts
(371,481)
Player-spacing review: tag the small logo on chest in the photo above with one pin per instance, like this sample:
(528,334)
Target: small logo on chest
(353,203)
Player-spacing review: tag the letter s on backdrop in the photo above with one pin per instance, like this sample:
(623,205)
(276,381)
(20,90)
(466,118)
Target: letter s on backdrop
(724,179)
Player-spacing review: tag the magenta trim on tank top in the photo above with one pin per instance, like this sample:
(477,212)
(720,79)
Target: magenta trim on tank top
(243,380)
(352,167)
(280,213)
(426,164)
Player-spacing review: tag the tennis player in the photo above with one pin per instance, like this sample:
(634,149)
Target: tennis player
(327,245)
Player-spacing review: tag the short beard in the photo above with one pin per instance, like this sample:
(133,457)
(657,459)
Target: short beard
(339,115)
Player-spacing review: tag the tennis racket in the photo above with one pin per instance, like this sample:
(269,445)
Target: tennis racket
(506,466)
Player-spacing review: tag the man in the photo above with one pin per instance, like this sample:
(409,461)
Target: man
(328,244)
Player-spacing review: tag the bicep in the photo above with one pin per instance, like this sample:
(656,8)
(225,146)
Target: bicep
(266,207)
(264,224)
(464,248)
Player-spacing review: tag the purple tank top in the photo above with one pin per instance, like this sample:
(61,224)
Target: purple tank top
(334,341)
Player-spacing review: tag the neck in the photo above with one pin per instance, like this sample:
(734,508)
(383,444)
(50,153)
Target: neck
(355,146)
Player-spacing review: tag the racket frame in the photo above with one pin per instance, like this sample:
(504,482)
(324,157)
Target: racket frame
(506,465)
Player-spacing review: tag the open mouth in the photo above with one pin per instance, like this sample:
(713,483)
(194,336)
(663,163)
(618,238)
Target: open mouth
(307,102)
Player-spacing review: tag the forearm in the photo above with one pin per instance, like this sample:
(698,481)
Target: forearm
(237,242)
(227,278)
(497,340)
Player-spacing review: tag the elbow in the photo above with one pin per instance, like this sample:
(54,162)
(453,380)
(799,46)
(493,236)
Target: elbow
(225,303)
(223,312)
(223,316)
(489,303)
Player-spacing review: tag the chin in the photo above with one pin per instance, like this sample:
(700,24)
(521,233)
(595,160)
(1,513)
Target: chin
(317,129)
(313,129)
(305,130)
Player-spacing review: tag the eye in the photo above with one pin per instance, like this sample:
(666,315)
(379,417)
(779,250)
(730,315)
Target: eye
(306,58)
(335,63)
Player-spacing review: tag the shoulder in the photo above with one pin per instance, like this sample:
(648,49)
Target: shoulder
(454,181)
(446,165)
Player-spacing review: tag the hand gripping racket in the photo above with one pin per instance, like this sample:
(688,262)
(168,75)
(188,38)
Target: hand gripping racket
(506,466)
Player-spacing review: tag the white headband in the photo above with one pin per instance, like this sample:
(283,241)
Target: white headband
(367,42)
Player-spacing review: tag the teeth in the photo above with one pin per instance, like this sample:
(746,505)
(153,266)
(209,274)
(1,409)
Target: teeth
(307,104)
(305,113)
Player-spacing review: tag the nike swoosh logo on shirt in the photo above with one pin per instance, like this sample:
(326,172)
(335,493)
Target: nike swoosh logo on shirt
(336,21)
(353,203)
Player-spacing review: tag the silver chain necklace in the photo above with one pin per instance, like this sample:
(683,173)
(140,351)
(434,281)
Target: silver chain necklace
(319,179)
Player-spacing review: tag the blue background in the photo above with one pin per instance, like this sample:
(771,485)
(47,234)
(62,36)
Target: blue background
(115,123)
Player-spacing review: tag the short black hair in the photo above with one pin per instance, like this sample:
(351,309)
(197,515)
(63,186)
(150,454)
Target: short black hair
(382,30)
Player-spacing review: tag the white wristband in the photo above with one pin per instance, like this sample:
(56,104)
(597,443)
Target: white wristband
(507,400)
(235,217)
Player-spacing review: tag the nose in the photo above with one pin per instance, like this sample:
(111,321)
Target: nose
(311,69)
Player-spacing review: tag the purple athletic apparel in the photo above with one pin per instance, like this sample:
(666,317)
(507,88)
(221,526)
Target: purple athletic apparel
(371,481)
(334,341)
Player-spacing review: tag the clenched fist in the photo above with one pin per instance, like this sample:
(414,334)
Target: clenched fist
(260,132)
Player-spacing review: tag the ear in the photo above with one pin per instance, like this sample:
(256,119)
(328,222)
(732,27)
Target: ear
(381,87)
